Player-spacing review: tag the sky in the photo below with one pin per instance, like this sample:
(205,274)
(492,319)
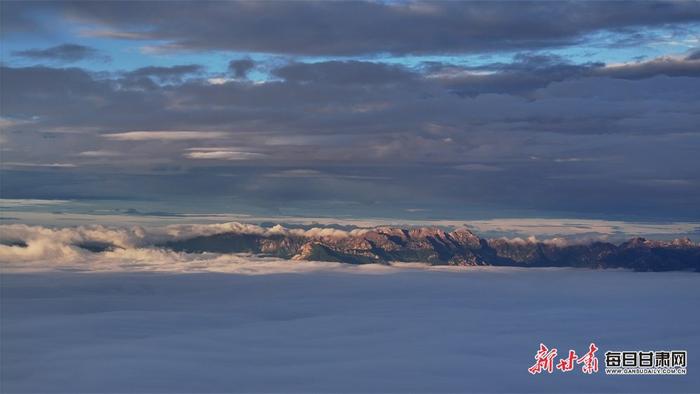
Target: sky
(418,110)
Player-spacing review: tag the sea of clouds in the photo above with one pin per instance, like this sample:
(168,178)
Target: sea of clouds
(338,330)
(139,318)
(134,248)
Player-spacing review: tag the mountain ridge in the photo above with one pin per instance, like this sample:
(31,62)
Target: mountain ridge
(436,246)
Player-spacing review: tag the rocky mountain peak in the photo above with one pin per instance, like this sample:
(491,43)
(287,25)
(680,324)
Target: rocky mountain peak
(425,232)
(435,246)
(635,242)
(683,242)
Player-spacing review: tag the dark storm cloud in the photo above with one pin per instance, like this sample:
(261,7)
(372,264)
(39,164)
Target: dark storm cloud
(16,17)
(525,74)
(150,77)
(72,98)
(62,53)
(241,67)
(673,67)
(332,97)
(351,28)
(540,134)
(531,72)
(345,73)
(695,55)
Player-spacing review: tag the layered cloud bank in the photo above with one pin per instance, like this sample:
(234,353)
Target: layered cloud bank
(353,28)
(378,108)
(101,248)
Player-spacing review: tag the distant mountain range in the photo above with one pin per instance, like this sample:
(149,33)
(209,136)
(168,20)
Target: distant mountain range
(460,247)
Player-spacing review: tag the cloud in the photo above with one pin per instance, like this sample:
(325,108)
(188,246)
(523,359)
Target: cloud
(218,154)
(241,67)
(61,245)
(529,72)
(172,73)
(298,173)
(478,167)
(26,164)
(69,246)
(21,202)
(477,329)
(526,74)
(115,34)
(100,153)
(386,138)
(694,55)
(544,227)
(364,124)
(344,72)
(164,135)
(570,159)
(66,53)
(355,28)
(666,65)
